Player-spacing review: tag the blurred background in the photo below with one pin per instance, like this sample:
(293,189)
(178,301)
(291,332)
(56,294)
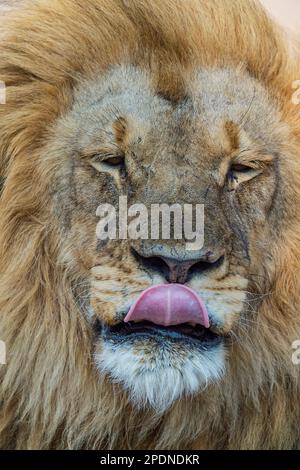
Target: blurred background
(287,12)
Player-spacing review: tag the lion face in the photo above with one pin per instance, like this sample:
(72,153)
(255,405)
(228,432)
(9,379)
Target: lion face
(218,146)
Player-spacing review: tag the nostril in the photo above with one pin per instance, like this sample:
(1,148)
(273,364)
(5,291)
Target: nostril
(182,271)
(157,264)
(177,270)
(202,266)
(153,263)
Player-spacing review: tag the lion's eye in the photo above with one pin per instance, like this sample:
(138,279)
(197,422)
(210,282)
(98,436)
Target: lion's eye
(239,173)
(113,160)
(105,162)
(239,168)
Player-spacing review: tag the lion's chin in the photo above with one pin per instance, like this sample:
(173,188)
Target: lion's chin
(156,368)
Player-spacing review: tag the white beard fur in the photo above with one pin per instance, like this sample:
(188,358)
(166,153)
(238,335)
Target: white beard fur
(164,379)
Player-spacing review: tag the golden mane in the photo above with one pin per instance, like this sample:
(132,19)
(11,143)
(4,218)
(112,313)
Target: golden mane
(50,394)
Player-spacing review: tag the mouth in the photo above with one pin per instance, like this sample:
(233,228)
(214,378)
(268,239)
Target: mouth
(165,312)
(197,334)
(163,348)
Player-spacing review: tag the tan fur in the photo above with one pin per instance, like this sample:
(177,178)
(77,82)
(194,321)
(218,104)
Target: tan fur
(50,394)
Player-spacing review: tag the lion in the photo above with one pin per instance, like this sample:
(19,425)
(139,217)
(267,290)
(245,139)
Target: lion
(131,343)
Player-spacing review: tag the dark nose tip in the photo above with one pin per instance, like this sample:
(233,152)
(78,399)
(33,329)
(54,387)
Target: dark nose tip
(177,269)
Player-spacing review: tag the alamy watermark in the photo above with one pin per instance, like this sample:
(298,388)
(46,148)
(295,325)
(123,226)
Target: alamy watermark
(2,93)
(296,353)
(296,94)
(2,353)
(160,222)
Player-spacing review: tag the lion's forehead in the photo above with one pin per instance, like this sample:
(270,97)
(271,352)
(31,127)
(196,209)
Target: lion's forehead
(212,98)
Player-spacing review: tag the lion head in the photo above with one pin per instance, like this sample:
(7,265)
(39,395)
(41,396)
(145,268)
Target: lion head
(114,332)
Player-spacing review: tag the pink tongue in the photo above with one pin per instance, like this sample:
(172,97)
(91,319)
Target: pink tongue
(169,304)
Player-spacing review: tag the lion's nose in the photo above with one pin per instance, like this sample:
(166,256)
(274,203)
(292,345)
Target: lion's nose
(177,268)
